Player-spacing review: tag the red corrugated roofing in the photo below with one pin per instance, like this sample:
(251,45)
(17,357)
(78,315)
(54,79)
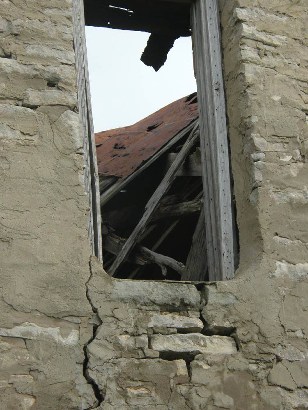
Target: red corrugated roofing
(121,151)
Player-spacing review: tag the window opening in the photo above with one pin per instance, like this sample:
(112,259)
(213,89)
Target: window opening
(123,89)
(160,216)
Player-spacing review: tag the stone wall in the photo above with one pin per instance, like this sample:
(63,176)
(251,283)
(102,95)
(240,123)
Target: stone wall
(265,62)
(154,348)
(71,337)
(250,352)
(44,246)
(205,346)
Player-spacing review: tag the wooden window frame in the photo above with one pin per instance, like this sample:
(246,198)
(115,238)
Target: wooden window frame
(91,178)
(219,235)
(213,139)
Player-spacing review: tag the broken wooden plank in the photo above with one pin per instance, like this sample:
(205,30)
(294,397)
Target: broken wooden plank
(177,210)
(158,46)
(113,244)
(162,260)
(157,244)
(115,188)
(155,198)
(191,167)
(142,255)
(196,263)
(168,200)
(213,139)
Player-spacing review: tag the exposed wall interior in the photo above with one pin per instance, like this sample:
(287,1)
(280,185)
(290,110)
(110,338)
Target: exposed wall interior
(215,223)
(71,337)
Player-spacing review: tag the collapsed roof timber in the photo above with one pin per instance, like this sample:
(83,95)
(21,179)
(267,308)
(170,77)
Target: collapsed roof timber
(151,195)
(221,239)
(165,20)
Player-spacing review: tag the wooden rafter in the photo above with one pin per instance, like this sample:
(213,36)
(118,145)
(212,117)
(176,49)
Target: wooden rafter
(178,209)
(142,255)
(120,184)
(167,200)
(153,202)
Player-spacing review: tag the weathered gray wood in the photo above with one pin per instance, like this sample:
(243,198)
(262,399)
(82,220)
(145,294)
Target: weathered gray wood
(196,263)
(180,209)
(162,260)
(106,182)
(213,139)
(117,186)
(84,110)
(113,244)
(192,166)
(167,200)
(154,200)
(142,255)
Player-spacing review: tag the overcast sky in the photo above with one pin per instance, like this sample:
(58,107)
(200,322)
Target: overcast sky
(123,89)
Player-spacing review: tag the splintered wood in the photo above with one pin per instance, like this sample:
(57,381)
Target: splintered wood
(154,200)
(170,226)
(171,216)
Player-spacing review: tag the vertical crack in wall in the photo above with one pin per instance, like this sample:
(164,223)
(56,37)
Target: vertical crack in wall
(208,329)
(98,394)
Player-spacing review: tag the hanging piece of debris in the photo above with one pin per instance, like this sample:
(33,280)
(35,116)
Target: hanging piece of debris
(151,196)
(164,20)
(157,49)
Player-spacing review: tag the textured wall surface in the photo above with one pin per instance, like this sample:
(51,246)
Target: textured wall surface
(44,247)
(236,345)
(251,352)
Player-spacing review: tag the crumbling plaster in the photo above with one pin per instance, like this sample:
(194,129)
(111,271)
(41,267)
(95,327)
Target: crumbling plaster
(70,336)
(44,247)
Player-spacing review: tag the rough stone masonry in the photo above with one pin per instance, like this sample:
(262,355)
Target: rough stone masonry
(73,338)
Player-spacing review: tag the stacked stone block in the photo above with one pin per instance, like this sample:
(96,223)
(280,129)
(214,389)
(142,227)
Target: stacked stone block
(44,247)
(68,342)
(151,347)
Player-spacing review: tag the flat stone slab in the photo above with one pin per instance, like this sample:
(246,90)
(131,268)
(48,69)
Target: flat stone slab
(195,343)
(148,293)
(173,321)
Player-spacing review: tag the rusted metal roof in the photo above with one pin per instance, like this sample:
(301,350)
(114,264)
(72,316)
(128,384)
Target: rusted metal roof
(121,151)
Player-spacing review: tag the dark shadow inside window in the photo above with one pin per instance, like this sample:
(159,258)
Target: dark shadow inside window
(151,172)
